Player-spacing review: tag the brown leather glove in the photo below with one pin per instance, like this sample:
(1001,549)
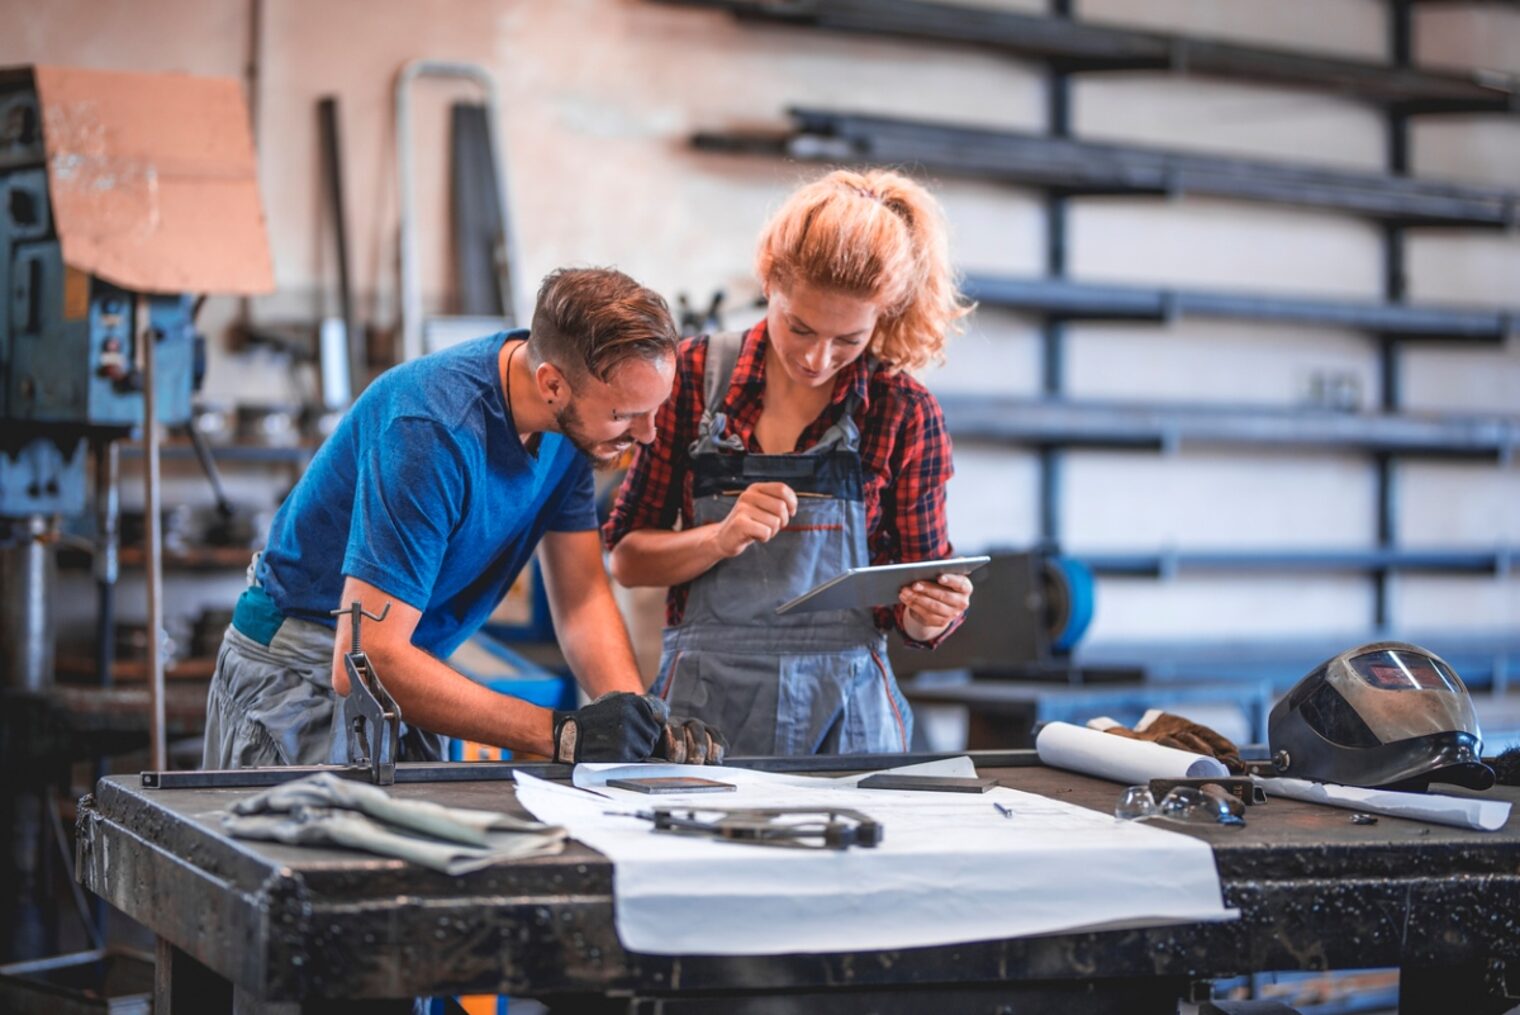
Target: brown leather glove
(1170,730)
(690,742)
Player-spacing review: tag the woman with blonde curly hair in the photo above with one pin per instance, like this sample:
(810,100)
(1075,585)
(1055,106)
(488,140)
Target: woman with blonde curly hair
(791,452)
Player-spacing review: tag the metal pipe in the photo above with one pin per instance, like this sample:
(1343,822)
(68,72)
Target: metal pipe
(27,570)
(332,172)
(1053,329)
(252,73)
(153,536)
(207,460)
(1395,289)
(107,571)
(107,562)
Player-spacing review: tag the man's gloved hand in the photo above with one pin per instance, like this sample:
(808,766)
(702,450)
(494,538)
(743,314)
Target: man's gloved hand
(618,726)
(1169,730)
(691,742)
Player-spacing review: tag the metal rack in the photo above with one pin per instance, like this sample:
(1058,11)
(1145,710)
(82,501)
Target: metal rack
(1072,45)
(1066,168)
(1056,421)
(1059,163)
(1087,301)
(1155,565)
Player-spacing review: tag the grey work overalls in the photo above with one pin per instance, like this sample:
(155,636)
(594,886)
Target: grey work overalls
(271,699)
(809,683)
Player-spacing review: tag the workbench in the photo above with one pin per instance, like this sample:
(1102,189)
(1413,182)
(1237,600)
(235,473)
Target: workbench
(266,927)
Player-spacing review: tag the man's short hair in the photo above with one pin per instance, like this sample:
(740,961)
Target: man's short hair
(592,320)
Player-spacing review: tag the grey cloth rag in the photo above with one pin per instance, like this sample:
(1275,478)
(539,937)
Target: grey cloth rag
(325,810)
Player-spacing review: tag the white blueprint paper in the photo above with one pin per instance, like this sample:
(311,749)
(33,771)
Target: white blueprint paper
(951,868)
(1091,752)
(1484,815)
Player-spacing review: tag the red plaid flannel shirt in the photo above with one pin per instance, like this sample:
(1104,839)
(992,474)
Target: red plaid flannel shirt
(905,457)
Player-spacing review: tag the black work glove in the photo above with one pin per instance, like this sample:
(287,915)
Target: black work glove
(618,726)
(691,742)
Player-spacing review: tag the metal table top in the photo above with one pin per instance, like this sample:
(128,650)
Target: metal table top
(287,923)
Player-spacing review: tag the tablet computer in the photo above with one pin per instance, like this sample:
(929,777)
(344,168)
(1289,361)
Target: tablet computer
(862,587)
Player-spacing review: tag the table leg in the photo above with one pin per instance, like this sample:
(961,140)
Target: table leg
(246,1003)
(1476,988)
(180,980)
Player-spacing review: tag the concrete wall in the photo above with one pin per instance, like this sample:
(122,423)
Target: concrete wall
(600,95)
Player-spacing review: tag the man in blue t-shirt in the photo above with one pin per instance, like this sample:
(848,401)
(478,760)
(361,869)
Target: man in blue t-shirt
(429,498)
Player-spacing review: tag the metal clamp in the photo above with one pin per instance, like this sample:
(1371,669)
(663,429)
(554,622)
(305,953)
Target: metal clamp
(794,827)
(370,715)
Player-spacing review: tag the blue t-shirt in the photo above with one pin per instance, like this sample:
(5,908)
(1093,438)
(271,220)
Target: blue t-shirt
(426,492)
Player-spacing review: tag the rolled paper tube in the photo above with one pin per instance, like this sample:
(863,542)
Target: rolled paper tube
(1079,749)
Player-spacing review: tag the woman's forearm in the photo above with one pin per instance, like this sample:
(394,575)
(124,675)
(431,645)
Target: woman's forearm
(660,557)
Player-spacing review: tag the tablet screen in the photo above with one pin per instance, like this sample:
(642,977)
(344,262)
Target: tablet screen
(864,587)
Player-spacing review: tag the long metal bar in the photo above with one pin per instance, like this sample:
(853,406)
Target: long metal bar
(332,173)
(153,535)
(253,75)
(1053,328)
(107,566)
(1090,167)
(27,576)
(1038,422)
(107,559)
(1377,560)
(1084,300)
(228,453)
(1395,289)
(497,771)
(1086,46)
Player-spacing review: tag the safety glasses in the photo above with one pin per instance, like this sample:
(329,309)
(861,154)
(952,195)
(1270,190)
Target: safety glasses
(1187,804)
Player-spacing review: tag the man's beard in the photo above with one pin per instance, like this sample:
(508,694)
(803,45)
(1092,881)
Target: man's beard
(603,454)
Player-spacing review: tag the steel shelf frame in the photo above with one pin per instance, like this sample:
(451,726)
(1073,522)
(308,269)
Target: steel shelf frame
(1087,301)
(295,454)
(1065,168)
(1484,658)
(1058,163)
(1057,421)
(1148,564)
(1073,45)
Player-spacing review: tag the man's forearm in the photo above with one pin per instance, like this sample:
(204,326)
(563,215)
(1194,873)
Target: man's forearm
(595,642)
(437,698)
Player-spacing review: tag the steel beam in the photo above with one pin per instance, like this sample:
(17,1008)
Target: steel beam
(1041,422)
(1377,559)
(1085,46)
(1086,167)
(1060,297)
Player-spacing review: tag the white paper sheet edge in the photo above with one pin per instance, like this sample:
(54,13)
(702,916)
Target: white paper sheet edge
(1483,815)
(678,895)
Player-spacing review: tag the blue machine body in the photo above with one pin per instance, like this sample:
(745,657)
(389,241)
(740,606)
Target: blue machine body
(70,366)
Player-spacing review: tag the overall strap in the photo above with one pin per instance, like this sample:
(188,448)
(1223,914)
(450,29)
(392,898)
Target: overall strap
(722,356)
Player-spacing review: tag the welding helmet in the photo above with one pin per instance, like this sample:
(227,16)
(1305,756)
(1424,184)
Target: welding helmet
(1388,715)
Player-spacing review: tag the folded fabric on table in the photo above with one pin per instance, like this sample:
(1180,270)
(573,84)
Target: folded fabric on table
(323,809)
